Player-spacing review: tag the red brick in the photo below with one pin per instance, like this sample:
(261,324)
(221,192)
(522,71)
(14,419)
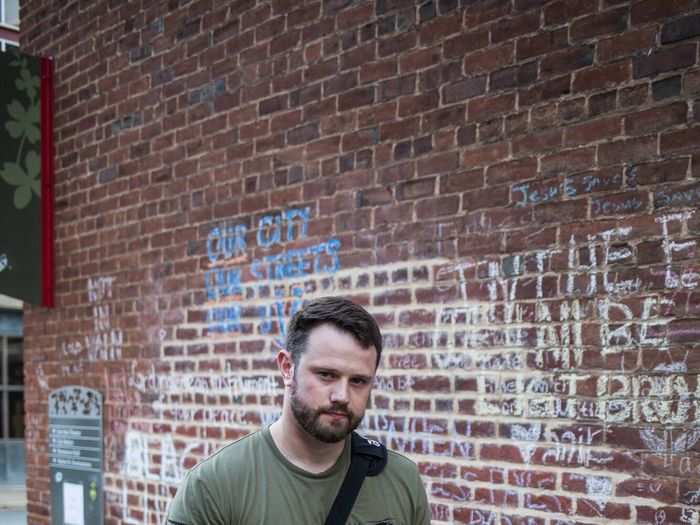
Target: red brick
(602,77)
(372,71)
(416,188)
(485,198)
(464,89)
(656,10)
(593,131)
(553,88)
(538,142)
(356,98)
(611,21)
(512,27)
(629,43)
(609,510)
(489,59)
(399,129)
(486,154)
(680,141)
(568,161)
(456,47)
(463,181)
(421,103)
(568,211)
(437,207)
(658,172)
(627,151)
(656,119)
(440,28)
(419,59)
(567,60)
(513,171)
(664,60)
(442,118)
(541,43)
(484,108)
(658,489)
(444,162)
(563,11)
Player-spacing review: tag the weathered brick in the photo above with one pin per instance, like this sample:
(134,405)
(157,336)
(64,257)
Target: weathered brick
(486,60)
(611,21)
(681,29)
(467,88)
(658,172)
(664,60)
(458,46)
(592,131)
(602,77)
(656,119)
(655,10)
(356,98)
(630,150)
(541,43)
(629,43)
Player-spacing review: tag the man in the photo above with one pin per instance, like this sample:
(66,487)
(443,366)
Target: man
(290,473)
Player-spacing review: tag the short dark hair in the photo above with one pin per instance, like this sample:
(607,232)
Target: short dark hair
(339,312)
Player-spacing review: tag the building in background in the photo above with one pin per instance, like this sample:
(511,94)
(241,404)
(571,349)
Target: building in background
(9,24)
(12,467)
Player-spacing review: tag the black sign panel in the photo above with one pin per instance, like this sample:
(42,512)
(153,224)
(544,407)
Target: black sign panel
(75,456)
(26,178)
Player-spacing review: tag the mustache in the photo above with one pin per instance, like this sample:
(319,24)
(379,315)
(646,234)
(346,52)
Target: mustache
(336,409)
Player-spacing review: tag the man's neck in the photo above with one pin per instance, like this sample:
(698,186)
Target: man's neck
(303,450)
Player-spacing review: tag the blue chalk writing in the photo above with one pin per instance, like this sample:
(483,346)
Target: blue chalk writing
(223,280)
(319,258)
(270,230)
(226,241)
(537,196)
(279,310)
(602,207)
(222,283)
(224,319)
(682,197)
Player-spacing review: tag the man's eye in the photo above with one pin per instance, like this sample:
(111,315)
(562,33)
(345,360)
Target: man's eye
(360,381)
(325,375)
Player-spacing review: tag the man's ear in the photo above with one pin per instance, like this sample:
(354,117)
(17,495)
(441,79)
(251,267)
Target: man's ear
(286,365)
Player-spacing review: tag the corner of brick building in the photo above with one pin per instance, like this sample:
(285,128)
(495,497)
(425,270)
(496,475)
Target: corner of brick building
(511,187)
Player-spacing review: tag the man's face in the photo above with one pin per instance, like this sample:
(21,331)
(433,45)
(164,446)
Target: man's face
(331,384)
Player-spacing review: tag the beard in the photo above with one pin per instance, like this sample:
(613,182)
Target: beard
(310,419)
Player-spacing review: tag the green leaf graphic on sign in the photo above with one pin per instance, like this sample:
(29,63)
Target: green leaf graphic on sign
(26,182)
(23,195)
(28,83)
(25,122)
(22,123)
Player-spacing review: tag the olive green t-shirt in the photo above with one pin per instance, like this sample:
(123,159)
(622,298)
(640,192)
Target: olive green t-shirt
(250,482)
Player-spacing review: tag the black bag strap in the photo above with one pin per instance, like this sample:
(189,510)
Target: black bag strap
(367,458)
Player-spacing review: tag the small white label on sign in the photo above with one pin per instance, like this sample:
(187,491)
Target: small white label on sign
(73,507)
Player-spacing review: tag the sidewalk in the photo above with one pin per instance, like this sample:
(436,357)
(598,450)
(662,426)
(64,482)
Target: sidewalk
(13,506)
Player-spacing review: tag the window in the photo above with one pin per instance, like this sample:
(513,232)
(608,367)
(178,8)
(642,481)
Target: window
(10,13)
(7,45)
(12,468)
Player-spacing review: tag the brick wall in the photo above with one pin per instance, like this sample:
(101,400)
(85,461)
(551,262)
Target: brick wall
(509,186)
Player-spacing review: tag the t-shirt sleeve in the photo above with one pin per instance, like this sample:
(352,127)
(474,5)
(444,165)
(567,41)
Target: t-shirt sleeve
(194,503)
(423,513)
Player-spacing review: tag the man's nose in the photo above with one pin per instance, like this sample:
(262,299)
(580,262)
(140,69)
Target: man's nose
(339,392)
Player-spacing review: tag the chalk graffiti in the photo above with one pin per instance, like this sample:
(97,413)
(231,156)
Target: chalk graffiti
(139,465)
(227,250)
(668,444)
(105,342)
